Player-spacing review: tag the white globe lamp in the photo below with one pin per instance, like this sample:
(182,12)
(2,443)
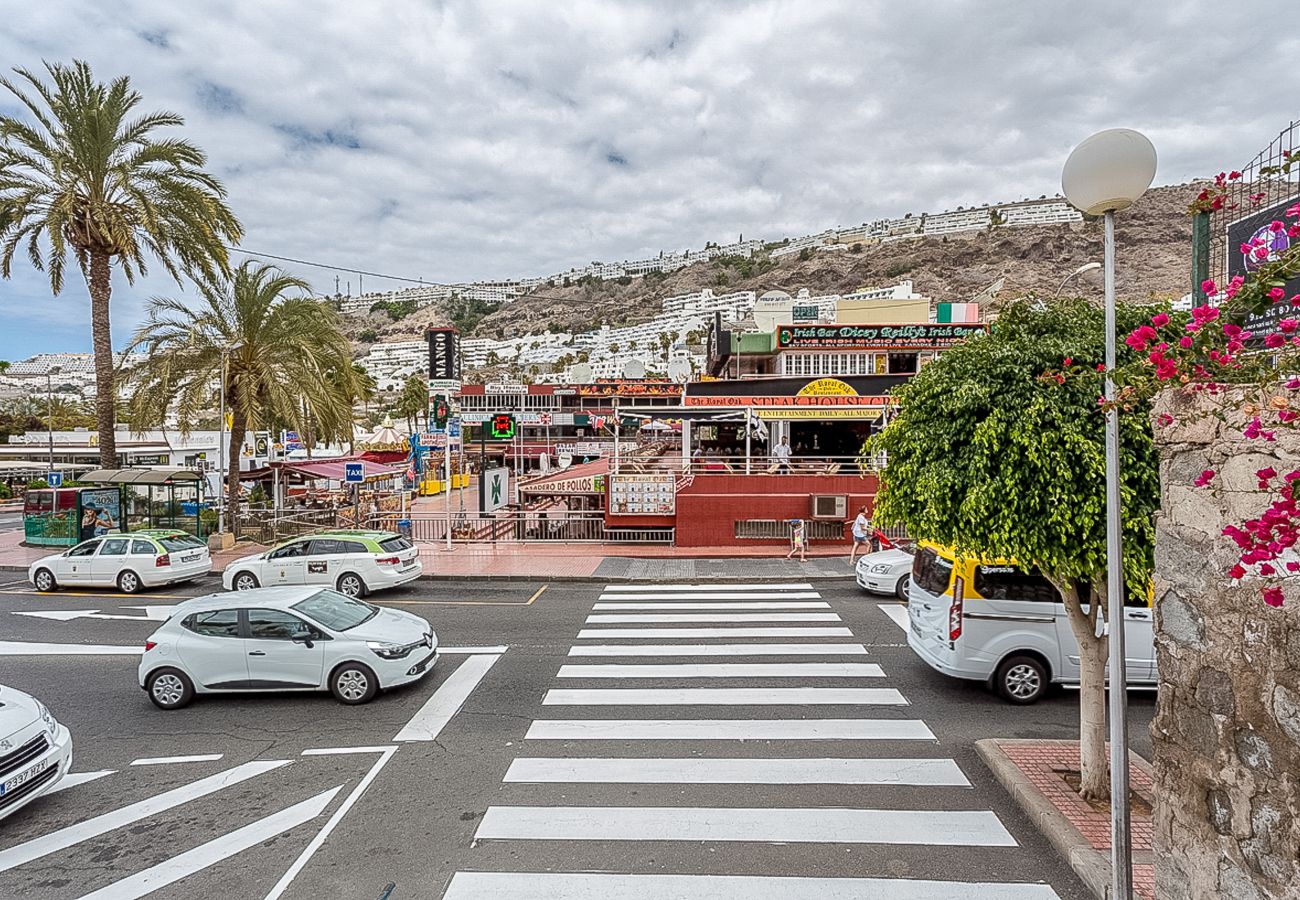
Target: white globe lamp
(1109,171)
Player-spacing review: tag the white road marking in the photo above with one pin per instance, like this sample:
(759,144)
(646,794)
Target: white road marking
(897,612)
(978,828)
(729,730)
(43,648)
(201,857)
(600,886)
(693,770)
(725,670)
(715,586)
(473,651)
(723,697)
(714,595)
(102,824)
(157,613)
(165,760)
(152,614)
(726,604)
(720,617)
(604,633)
(332,751)
(72,779)
(386,753)
(718,650)
(446,701)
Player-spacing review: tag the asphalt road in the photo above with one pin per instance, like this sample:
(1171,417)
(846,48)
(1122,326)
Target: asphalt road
(412,817)
(11,519)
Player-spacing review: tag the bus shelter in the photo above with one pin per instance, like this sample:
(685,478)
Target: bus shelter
(157,498)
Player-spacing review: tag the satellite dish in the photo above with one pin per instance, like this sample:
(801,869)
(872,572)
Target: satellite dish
(581,373)
(679,370)
(633,369)
(771,308)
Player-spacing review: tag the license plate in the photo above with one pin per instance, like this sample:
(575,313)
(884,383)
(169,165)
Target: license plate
(23,777)
(190,557)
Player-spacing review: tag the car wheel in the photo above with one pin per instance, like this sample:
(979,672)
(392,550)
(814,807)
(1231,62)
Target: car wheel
(900,589)
(128,582)
(353,684)
(244,581)
(170,688)
(351,584)
(1022,680)
(44,581)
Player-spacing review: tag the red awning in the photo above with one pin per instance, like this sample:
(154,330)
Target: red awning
(316,469)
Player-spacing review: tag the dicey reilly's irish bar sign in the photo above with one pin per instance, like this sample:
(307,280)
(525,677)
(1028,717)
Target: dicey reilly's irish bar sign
(874,337)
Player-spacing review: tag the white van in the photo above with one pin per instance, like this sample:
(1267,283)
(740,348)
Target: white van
(987,620)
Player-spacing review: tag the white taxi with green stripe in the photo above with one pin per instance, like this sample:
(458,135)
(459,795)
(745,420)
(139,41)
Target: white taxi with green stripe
(352,562)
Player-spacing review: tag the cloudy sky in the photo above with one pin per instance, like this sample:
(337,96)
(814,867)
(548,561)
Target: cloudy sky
(463,140)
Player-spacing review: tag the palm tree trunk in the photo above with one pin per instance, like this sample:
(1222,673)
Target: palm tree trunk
(238,428)
(101,285)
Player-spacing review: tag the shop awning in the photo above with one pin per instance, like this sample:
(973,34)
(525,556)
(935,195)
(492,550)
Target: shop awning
(584,478)
(331,469)
(681,413)
(141,476)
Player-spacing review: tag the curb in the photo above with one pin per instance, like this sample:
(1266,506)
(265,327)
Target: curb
(1091,865)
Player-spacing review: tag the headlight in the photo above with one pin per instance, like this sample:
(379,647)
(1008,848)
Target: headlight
(47,717)
(388,651)
(879,568)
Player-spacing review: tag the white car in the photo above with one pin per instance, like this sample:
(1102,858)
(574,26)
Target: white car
(352,562)
(130,562)
(885,572)
(35,750)
(284,639)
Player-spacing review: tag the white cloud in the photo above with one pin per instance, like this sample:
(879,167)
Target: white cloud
(467,140)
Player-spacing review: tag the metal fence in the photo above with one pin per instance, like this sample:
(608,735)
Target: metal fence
(270,526)
(733,464)
(523,526)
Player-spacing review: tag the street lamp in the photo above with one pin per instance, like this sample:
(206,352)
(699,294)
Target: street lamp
(221,441)
(1108,172)
(49,421)
(1086,267)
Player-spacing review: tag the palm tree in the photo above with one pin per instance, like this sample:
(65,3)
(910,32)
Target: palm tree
(281,357)
(89,177)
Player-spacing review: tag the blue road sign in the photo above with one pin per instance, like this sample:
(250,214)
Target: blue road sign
(54,479)
(354,472)
(453,428)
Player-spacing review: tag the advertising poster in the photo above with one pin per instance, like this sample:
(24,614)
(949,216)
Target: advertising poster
(101,511)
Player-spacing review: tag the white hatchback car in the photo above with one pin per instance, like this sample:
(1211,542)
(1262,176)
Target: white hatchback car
(35,750)
(130,562)
(352,562)
(885,572)
(284,639)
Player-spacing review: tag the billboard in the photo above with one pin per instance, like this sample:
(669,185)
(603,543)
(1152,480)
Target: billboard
(875,337)
(101,511)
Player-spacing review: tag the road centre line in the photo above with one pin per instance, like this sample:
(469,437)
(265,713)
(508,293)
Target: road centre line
(201,857)
(726,604)
(446,701)
(718,650)
(102,824)
(729,730)
(605,886)
(714,586)
(669,618)
(287,878)
(165,760)
(724,670)
(976,828)
(694,770)
(603,633)
(723,697)
(713,595)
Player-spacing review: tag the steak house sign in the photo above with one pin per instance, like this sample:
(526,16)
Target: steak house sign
(874,337)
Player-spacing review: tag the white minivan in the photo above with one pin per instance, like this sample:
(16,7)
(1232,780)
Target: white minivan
(1002,624)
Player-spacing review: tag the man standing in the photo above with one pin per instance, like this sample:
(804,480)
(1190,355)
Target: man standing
(781,456)
(862,534)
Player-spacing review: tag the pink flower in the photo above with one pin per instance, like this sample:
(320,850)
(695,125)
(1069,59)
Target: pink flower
(1273,596)
(1231,331)
(1201,315)
(1234,175)
(1286,415)
(1293,383)
(1288,325)
(1205,478)
(1101,367)
(1185,342)
(1236,571)
(1266,472)
(1293,210)
(1164,419)
(1293,566)
(1208,285)
(1275,226)
(1160,320)
(1266,569)
(1276,295)
(1067,361)
(1274,340)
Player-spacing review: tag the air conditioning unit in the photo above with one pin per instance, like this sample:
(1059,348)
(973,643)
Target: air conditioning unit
(830,506)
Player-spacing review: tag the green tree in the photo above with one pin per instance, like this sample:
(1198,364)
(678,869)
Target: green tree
(414,400)
(89,176)
(282,355)
(997,454)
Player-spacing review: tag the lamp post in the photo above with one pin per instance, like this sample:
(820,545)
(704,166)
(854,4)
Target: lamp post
(221,448)
(49,398)
(1086,267)
(1104,174)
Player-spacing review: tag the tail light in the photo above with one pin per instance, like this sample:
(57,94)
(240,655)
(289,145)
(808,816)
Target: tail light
(389,560)
(164,560)
(149,645)
(954,611)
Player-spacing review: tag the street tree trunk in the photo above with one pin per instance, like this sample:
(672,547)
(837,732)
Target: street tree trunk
(1094,769)
(238,428)
(101,286)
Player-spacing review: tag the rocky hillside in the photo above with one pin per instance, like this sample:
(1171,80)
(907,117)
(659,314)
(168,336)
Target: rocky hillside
(1153,241)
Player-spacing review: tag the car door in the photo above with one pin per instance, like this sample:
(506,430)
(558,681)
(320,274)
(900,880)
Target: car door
(283,651)
(1017,613)
(324,561)
(109,561)
(287,564)
(1139,645)
(211,648)
(143,557)
(76,565)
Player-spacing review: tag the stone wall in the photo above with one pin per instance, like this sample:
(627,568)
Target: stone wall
(1227,729)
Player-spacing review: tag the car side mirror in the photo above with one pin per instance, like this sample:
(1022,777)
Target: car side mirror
(305,640)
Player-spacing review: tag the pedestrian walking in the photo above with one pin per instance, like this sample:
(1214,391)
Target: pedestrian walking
(798,540)
(862,535)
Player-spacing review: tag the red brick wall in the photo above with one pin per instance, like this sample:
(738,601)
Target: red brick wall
(709,507)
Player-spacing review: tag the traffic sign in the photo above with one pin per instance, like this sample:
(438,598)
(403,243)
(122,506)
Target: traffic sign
(453,428)
(54,479)
(354,472)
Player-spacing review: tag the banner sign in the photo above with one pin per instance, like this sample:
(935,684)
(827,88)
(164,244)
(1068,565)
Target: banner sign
(505,387)
(797,402)
(1247,230)
(582,484)
(874,337)
(642,495)
(820,415)
(586,448)
(631,389)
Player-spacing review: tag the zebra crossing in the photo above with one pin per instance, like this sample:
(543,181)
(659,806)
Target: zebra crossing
(742,735)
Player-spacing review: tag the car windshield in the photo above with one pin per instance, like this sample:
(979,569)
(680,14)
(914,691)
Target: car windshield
(336,611)
(179,542)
